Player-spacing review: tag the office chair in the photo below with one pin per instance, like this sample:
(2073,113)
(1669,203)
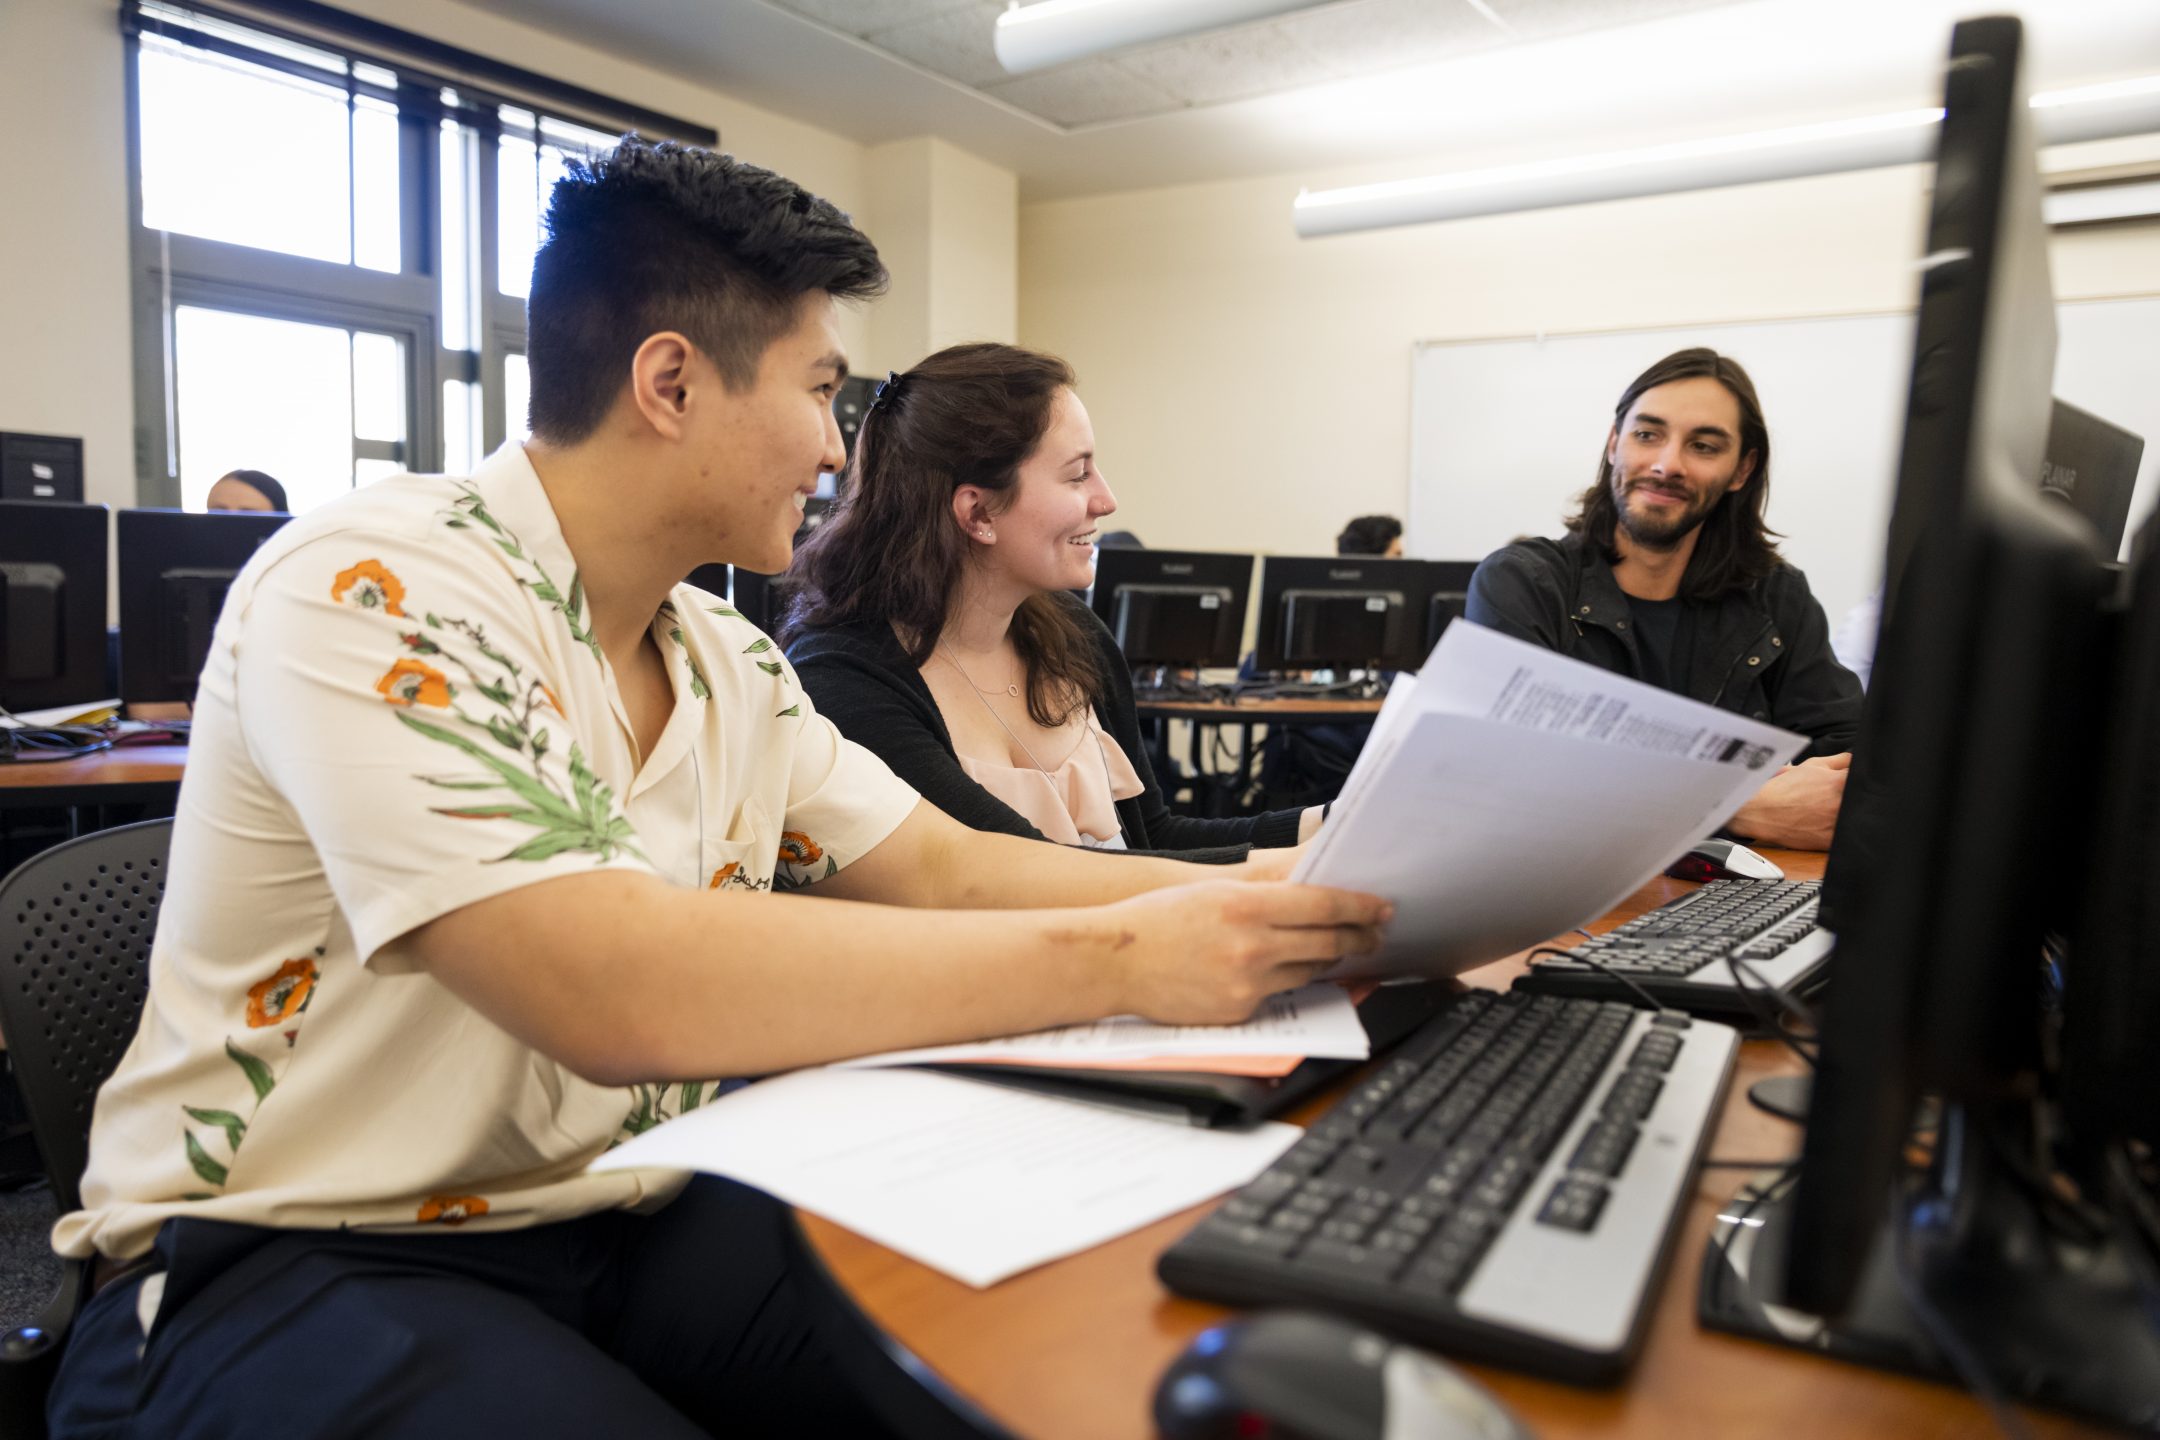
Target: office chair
(75,929)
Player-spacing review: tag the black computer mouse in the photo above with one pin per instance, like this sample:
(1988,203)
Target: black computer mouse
(1723,860)
(1294,1375)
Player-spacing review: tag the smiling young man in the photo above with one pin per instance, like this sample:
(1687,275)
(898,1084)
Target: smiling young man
(466,886)
(1667,574)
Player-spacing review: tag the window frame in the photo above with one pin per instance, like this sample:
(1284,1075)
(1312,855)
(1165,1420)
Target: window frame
(167,270)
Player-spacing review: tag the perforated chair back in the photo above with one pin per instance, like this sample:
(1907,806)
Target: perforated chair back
(75,929)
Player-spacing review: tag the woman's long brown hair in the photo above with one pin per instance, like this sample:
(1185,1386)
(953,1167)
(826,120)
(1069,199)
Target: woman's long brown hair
(891,551)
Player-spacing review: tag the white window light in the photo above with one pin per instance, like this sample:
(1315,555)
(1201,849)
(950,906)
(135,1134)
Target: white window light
(1034,37)
(2092,112)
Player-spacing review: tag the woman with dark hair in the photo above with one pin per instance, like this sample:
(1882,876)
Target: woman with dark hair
(931,617)
(247,490)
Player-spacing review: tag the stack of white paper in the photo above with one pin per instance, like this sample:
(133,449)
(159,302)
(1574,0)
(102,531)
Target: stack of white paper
(1317,1021)
(979,1181)
(1509,793)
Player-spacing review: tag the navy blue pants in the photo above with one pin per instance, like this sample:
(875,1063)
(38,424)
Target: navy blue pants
(683,1323)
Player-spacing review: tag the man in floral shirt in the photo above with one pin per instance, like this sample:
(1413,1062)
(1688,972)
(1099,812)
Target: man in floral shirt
(464,889)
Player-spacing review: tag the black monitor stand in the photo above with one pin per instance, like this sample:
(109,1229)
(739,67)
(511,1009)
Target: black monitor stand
(1971,1275)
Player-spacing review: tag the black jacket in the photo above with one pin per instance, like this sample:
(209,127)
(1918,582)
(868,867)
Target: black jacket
(1764,653)
(860,679)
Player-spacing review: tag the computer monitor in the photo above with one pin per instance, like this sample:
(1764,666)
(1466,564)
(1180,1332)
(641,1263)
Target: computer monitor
(753,596)
(2110,1064)
(52,604)
(175,568)
(1449,597)
(2093,464)
(1178,608)
(1343,612)
(1993,675)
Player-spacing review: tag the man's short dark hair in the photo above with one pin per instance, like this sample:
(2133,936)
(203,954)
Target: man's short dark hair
(1368,535)
(652,237)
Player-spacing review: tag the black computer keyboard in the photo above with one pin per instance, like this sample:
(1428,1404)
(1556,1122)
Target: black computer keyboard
(1506,1187)
(1677,951)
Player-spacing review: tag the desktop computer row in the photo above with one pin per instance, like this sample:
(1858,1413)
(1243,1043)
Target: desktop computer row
(1977,1194)
(174,571)
(1186,609)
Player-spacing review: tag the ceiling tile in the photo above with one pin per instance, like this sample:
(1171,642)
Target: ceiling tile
(1364,36)
(1549,19)
(1227,65)
(955,44)
(868,17)
(1084,93)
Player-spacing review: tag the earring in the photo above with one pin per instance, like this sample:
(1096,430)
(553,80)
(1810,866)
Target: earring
(984,532)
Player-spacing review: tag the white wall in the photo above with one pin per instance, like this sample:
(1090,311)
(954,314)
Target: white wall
(1252,391)
(65,351)
(947,224)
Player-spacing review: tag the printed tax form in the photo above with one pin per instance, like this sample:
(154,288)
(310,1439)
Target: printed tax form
(1509,793)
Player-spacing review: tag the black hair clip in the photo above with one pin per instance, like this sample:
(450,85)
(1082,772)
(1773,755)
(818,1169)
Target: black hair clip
(888,390)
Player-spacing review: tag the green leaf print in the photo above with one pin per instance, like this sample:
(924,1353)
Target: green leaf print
(771,667)
(693,1095)
(795,710)
(506,734)
(723,612)
(758,646)
(198,1157)
(258,1074)
(233,1126)
(699,690)
(584,822)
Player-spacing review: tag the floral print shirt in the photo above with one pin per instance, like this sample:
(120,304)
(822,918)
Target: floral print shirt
(404,712)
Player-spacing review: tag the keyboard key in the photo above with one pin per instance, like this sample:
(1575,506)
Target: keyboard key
(1574,1204)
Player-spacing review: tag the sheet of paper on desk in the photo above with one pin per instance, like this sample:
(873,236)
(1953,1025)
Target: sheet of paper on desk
(1317,1021)
(1517,793)
(979,1181)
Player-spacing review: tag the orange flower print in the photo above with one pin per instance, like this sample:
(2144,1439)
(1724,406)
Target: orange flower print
(554,703)
(797,848)
(282,996)
(452,1209)
(724,874)
(370,587)
(409,682)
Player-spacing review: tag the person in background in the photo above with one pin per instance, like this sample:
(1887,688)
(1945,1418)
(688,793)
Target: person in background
(1371,535)
(1668,574)
(933,618)
(248,490)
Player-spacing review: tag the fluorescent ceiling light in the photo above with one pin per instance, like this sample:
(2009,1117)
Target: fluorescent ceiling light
(2093,112)
(1034,37)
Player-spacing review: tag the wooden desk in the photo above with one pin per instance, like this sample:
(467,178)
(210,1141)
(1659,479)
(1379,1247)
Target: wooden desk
(1072,1351)
(128,775)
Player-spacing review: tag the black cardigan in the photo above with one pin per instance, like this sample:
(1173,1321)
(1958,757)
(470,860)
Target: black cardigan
(859,678)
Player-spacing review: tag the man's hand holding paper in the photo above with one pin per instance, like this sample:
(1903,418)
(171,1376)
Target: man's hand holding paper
(1515,793)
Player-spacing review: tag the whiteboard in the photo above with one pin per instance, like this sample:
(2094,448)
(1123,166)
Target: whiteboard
(1504,434)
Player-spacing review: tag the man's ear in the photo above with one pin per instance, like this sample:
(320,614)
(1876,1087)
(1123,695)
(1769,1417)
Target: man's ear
(1612,447)
(661,376)
(1745,473)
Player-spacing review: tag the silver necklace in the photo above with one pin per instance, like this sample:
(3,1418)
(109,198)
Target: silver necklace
(983,696)
(1012,690)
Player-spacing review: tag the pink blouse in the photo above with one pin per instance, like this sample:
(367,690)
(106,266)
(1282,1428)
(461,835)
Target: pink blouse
(1073,804)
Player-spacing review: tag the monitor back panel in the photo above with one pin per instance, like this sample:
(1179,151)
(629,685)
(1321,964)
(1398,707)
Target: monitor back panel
(175,569)
(52,604)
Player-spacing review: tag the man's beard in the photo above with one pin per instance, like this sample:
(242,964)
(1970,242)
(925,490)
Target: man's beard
(1654,532)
